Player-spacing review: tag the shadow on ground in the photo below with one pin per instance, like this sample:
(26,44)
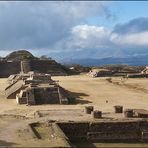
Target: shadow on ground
(85,144)
(79,97)
(5,143)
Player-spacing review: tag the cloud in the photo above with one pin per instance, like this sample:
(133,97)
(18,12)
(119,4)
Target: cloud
(132,39)
(98,41)
(133,26)
(86,31)
(42,25)
(90,36)
(133,34)
(129,37)
(86,41)
(61,29)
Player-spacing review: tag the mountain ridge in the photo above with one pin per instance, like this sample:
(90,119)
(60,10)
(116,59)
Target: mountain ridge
(141,60)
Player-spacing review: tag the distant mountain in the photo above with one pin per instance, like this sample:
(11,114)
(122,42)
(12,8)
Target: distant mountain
(132,60)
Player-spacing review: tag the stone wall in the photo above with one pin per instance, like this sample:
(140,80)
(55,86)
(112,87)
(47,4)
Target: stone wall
(121,131)
(75,130)
(139,75)
(43,66)
(46,66)
(8,68)
(50,132)
(124,131)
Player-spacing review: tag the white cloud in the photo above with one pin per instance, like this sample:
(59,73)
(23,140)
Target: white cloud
(98,41)
(86,31)
(86,36)
(133,39)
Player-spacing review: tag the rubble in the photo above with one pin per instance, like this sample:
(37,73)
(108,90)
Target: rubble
(97,114)
(88,109)
(128,113)
(118,109)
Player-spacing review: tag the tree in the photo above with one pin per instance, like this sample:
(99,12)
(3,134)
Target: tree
(44,57)
(27,57)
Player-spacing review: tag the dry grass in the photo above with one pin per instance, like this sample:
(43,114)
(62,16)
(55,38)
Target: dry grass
(131,93)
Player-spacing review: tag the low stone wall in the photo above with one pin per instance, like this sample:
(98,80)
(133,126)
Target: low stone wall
(111,126)
(123,131)
(74,130)
(139,75)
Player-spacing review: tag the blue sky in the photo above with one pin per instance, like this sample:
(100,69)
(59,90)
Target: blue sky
(130,9)
(123,10)
(95,29)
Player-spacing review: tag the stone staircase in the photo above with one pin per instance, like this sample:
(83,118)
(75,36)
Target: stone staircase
(13,89)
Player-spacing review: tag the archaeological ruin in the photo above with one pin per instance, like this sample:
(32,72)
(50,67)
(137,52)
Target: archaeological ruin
(104,127)
(32,88)
(11,64)
(100,72)
(143,74)
(98,118)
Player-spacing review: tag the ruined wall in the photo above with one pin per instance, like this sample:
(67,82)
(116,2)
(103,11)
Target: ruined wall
(50,132)
(8,68)
(124,131)
(106,131)
(46,66)
(43,66)
(75,130)
(139,75)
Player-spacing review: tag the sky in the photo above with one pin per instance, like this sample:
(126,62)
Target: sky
(76,29)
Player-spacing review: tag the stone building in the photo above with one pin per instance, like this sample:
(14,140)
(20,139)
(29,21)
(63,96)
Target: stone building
(32,88)
(100,72)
